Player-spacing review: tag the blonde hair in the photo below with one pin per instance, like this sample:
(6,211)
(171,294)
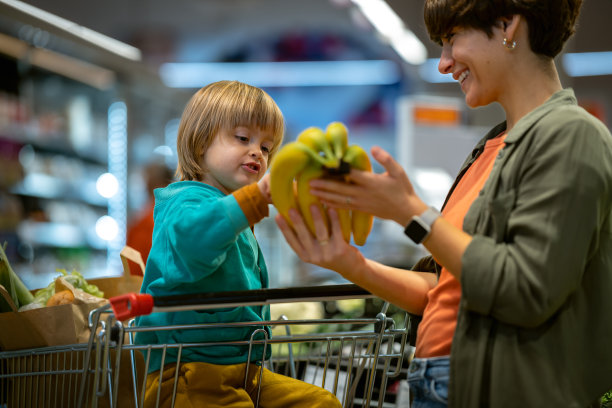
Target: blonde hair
(223,105)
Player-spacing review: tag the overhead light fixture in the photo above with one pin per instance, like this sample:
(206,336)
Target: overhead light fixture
(87,73)
(59,25)
(587,63)
(391,28)
(282,74)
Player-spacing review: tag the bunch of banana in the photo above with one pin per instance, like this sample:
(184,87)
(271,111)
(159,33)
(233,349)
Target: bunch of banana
(318,154)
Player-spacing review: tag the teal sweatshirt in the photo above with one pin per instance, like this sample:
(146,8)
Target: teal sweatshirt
(201,243)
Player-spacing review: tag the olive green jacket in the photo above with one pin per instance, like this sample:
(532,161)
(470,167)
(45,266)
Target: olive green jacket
(534,327)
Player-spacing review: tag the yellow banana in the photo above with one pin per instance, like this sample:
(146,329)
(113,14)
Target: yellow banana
(357,157)
(286,164)
(316,139)
(361,222)
(345,222)
(305,199)
(317,154)
(337,135)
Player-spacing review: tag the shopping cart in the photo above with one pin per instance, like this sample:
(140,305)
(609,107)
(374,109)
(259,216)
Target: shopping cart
(57,376)
(44,377)
(351,357)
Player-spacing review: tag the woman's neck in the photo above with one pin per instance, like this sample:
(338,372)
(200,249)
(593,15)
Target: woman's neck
(532,86)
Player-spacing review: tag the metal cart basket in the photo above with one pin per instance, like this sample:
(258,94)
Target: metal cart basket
(351,357)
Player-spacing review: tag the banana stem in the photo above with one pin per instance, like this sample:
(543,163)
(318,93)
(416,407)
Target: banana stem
(341,169)
(322,160)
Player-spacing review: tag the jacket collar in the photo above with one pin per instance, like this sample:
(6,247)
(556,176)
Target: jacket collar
(559,98)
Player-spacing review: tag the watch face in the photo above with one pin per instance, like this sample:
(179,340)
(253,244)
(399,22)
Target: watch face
(416,232)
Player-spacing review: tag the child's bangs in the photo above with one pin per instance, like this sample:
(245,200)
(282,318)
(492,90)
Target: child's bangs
(260,112)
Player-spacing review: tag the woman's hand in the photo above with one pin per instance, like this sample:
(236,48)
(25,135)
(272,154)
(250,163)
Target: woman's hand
(389,195)
(326,249)
(406,289)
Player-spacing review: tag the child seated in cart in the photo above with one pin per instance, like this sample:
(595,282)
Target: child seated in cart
(203,242)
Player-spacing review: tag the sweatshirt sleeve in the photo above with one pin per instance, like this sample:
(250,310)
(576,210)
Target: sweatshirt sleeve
(252,202)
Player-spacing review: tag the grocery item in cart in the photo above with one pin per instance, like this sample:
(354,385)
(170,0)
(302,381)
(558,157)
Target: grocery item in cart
(49,321)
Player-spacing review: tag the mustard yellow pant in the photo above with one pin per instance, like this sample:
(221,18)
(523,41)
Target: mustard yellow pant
(211,386)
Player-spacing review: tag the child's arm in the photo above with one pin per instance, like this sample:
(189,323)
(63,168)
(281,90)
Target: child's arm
(253,201)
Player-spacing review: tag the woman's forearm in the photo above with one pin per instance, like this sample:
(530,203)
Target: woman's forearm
(403,288)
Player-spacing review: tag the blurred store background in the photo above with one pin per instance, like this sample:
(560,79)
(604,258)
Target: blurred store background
(91,94)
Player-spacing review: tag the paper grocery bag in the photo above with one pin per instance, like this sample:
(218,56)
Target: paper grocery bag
(130,254)
(127,283)
(47,326)
(51,325)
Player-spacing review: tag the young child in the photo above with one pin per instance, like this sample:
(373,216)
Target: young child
(203,242)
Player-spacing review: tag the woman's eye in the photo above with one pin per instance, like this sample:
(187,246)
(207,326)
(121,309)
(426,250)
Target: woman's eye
(448,38)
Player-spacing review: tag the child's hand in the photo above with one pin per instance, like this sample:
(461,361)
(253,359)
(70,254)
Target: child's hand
(264,187)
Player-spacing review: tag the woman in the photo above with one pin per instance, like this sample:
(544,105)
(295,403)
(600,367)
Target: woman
(516,312)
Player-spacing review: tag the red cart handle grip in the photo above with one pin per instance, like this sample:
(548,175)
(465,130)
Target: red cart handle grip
(131,305)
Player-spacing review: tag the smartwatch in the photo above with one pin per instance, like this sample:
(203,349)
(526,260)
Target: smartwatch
(420,226)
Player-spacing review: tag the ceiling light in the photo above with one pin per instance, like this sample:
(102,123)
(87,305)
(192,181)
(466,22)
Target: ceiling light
(59,25)
(587,63)
(391,28)
(90,74)
(282,74)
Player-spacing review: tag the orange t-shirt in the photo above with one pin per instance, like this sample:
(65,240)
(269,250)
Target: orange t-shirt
(435,332)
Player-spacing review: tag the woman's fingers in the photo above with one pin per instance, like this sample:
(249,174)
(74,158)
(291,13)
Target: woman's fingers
(302,232)
(335,226)
(321,232)
(349,195)
(386,160)
(393,168)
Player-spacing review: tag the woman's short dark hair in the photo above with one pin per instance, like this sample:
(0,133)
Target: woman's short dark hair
(551,22)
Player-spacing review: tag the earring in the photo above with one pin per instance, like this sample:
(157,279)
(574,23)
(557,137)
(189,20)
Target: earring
(509,44)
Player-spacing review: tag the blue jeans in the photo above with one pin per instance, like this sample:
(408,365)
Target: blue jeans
(428,380)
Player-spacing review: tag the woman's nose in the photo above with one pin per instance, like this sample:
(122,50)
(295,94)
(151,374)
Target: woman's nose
(445,65)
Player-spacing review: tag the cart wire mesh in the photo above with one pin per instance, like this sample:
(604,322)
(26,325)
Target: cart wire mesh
(351,357)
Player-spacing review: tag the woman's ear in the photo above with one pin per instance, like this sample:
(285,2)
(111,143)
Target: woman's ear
(510,26)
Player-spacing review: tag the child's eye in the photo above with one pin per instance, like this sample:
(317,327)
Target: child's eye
(265,149)
(242,138)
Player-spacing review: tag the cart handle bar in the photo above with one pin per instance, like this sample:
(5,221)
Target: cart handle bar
(138,304)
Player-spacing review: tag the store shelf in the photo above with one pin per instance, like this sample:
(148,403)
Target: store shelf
(59,235)
(50,187)
(55,143)
(59,126)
